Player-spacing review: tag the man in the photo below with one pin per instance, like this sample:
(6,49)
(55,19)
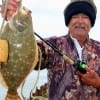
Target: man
(65,82)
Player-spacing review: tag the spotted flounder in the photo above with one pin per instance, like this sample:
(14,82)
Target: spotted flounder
(23,50)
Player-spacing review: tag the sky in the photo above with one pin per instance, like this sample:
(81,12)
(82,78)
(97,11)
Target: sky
(48,20)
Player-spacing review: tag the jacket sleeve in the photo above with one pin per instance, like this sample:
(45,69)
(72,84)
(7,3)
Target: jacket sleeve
(46,59)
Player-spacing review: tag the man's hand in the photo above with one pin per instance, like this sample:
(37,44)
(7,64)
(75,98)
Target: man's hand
(12,6)
(90,78)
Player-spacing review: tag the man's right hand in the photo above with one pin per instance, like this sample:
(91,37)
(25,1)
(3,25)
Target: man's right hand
(12,6)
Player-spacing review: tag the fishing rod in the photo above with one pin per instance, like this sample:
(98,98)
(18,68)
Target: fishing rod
(79,65)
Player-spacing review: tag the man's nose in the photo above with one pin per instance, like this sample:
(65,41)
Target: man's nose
(80,20)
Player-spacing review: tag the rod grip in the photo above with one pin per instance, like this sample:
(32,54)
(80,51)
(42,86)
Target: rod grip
(68,60)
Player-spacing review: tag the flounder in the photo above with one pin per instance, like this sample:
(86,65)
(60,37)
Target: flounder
(23,50)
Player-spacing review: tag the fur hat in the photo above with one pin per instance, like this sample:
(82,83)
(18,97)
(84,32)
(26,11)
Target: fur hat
(80,6)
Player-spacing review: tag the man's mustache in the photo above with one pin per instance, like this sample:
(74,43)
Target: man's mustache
(82,26)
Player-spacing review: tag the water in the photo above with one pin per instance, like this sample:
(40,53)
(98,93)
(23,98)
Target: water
(29,84)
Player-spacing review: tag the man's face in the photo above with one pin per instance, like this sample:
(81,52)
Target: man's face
(79,25)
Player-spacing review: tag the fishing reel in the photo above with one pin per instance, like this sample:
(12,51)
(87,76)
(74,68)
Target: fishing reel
(80,66)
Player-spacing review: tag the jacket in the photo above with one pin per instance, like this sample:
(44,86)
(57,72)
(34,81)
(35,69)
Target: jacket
(64,83)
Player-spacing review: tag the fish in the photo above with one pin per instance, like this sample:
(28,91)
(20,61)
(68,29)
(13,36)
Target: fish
(22,50)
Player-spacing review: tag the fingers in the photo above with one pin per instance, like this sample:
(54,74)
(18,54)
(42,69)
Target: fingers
(14,2)
(12,6)
(9,15)
(90,71)
(79,73)
(18,0)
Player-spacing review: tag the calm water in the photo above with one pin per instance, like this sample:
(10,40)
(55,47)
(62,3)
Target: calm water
(29,84)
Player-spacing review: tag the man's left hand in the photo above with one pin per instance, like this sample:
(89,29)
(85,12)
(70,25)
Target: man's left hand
(90,78)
